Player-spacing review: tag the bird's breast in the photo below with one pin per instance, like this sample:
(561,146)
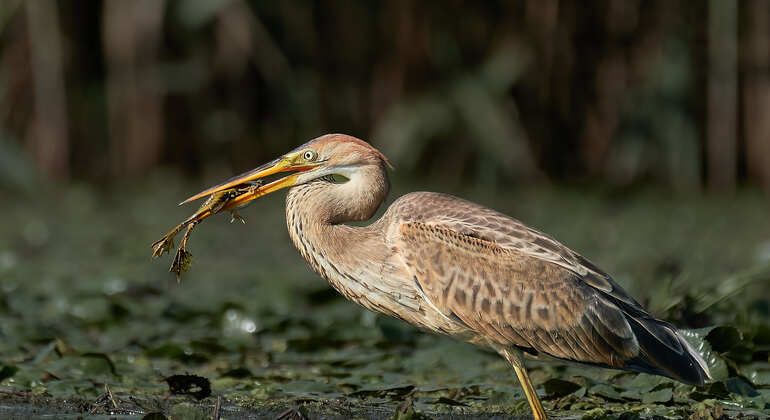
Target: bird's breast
(358,263)
(376,284)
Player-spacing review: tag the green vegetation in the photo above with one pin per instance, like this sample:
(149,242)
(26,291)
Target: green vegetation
(88,323)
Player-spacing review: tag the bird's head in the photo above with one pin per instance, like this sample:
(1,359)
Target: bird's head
(331,155)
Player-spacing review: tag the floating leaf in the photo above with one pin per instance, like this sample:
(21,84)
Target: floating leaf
(238,373)
(741,387)
(188,411)
(758,373)
(177,352)
(717,366)
(449,401)
(605,391)
(91,366)
(660,396)
(392,392)
(97,364)
(557,388)
(741,353)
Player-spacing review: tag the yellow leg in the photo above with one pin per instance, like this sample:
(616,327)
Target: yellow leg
(515,359)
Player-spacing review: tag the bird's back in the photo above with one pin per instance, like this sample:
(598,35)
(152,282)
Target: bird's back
(510,285)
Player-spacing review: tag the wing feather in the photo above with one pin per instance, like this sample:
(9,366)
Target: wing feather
(515,286)
(513,298)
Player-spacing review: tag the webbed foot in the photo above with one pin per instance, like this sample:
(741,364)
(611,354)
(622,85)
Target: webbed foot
(183,258)
(164,244)
(181,263)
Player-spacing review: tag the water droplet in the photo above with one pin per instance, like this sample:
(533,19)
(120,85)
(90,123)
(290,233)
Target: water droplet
(231,315)
(248,326)
(114,285)
(236,322)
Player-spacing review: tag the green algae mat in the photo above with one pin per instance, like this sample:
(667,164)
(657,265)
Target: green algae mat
(90,326)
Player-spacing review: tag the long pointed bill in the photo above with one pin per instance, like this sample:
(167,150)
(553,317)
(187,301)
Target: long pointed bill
(282,164)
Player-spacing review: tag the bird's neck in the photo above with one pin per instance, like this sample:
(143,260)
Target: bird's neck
(316,213)
(325,202)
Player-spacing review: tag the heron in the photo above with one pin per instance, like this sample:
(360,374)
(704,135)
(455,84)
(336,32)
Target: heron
(454,267)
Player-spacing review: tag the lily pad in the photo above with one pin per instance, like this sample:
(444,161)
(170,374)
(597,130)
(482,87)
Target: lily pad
(715,362)
(740,386)
(662,395)
(605,391)
(557,388)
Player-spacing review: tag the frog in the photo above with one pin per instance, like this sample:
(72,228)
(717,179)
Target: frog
(214,204)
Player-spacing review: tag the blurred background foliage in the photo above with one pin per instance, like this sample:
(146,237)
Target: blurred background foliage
(674,93)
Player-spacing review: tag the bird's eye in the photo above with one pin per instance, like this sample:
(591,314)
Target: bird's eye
(309,155)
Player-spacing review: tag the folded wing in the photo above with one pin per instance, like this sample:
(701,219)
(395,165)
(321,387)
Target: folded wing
(515,286)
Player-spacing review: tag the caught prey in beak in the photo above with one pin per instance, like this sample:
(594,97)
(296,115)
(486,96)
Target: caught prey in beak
(229,196)
(215,203)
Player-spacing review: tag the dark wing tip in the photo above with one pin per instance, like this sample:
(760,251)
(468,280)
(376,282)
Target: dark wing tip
(663,351)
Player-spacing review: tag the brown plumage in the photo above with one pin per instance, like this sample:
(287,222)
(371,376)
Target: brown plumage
(457,268)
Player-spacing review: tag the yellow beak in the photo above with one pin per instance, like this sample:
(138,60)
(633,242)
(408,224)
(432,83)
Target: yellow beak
(282,164)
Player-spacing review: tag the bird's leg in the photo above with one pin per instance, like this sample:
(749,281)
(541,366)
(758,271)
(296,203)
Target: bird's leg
(534,401)
(514,357)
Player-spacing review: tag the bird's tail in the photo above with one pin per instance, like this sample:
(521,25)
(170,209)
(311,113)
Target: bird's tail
(663,351)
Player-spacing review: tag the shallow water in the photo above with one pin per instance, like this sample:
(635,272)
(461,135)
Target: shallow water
(85,313)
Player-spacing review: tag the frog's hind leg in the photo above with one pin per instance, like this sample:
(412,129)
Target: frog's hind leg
(183,257)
